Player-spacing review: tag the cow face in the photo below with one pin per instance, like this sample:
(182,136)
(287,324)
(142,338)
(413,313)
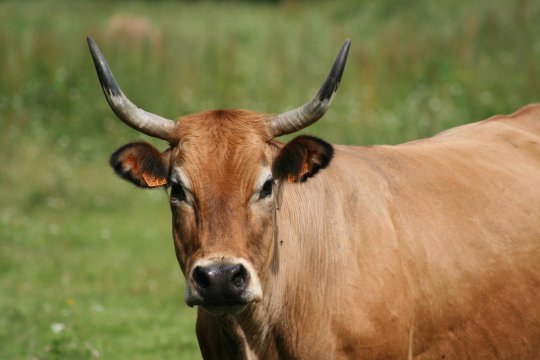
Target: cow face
(222,170)
(222,175)
(221,200)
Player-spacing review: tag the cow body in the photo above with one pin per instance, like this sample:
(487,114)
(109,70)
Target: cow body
(426,250)
(304,250)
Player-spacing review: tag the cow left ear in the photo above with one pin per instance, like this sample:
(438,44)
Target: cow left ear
(302,158)
(141,164)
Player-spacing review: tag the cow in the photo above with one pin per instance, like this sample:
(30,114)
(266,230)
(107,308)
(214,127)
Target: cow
(134,33)
(307,250)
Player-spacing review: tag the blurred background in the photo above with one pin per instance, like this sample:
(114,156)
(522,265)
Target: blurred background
(87,267)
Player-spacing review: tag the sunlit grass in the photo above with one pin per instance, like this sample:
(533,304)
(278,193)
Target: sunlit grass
(87,266)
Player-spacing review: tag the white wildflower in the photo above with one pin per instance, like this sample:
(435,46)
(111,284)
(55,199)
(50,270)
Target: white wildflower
(57,328)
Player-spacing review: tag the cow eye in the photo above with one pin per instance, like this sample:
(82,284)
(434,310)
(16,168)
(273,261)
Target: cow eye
(177,193)
(266,190)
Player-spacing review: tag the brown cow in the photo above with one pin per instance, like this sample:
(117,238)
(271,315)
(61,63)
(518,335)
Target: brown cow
(134,33)
(426,250)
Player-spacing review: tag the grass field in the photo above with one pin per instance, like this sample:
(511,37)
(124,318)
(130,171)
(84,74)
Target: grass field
(87,268)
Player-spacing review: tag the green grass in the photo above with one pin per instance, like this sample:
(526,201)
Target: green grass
(81,248)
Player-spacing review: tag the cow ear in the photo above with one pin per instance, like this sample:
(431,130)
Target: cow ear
(142,164)
(302,158)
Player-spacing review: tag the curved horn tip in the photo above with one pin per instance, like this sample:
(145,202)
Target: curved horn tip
(333,80)
(89,40)
(105,76)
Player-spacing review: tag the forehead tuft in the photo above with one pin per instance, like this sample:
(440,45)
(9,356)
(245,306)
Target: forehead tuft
(223,125)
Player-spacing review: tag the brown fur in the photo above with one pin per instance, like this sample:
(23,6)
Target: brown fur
(221,153)
(426,250)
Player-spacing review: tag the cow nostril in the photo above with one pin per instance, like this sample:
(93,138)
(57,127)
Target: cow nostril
(201,278)
(239,277)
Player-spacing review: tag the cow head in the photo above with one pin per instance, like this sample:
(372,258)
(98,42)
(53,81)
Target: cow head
(222,169)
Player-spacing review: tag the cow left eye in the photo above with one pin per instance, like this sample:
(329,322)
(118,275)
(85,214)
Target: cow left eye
(177,193)
(266,190)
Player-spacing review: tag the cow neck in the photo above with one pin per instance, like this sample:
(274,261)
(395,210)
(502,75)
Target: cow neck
(267,323)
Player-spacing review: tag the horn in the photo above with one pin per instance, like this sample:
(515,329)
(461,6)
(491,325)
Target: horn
(145,122)
(313,110)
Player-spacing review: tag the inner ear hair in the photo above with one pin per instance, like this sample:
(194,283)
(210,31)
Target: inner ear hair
(302,158)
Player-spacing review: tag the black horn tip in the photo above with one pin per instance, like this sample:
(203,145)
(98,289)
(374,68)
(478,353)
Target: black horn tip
(333,80)
(106,78)
(90,41)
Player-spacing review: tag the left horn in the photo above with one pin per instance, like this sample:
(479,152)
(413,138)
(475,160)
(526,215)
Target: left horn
(312,111)
(143,121)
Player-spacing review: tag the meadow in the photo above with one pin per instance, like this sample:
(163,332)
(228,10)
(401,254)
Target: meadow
(87,267)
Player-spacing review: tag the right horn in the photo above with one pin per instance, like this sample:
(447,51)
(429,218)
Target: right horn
(143,121)
(312,111)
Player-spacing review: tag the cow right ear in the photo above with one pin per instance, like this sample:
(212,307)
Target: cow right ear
(141,164)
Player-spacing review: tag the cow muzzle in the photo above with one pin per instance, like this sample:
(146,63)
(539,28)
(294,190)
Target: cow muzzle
(223,285)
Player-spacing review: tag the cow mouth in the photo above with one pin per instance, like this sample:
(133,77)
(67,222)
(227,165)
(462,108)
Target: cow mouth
(224,308)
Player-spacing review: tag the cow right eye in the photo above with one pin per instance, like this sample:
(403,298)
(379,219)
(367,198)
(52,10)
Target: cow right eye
(177,193)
